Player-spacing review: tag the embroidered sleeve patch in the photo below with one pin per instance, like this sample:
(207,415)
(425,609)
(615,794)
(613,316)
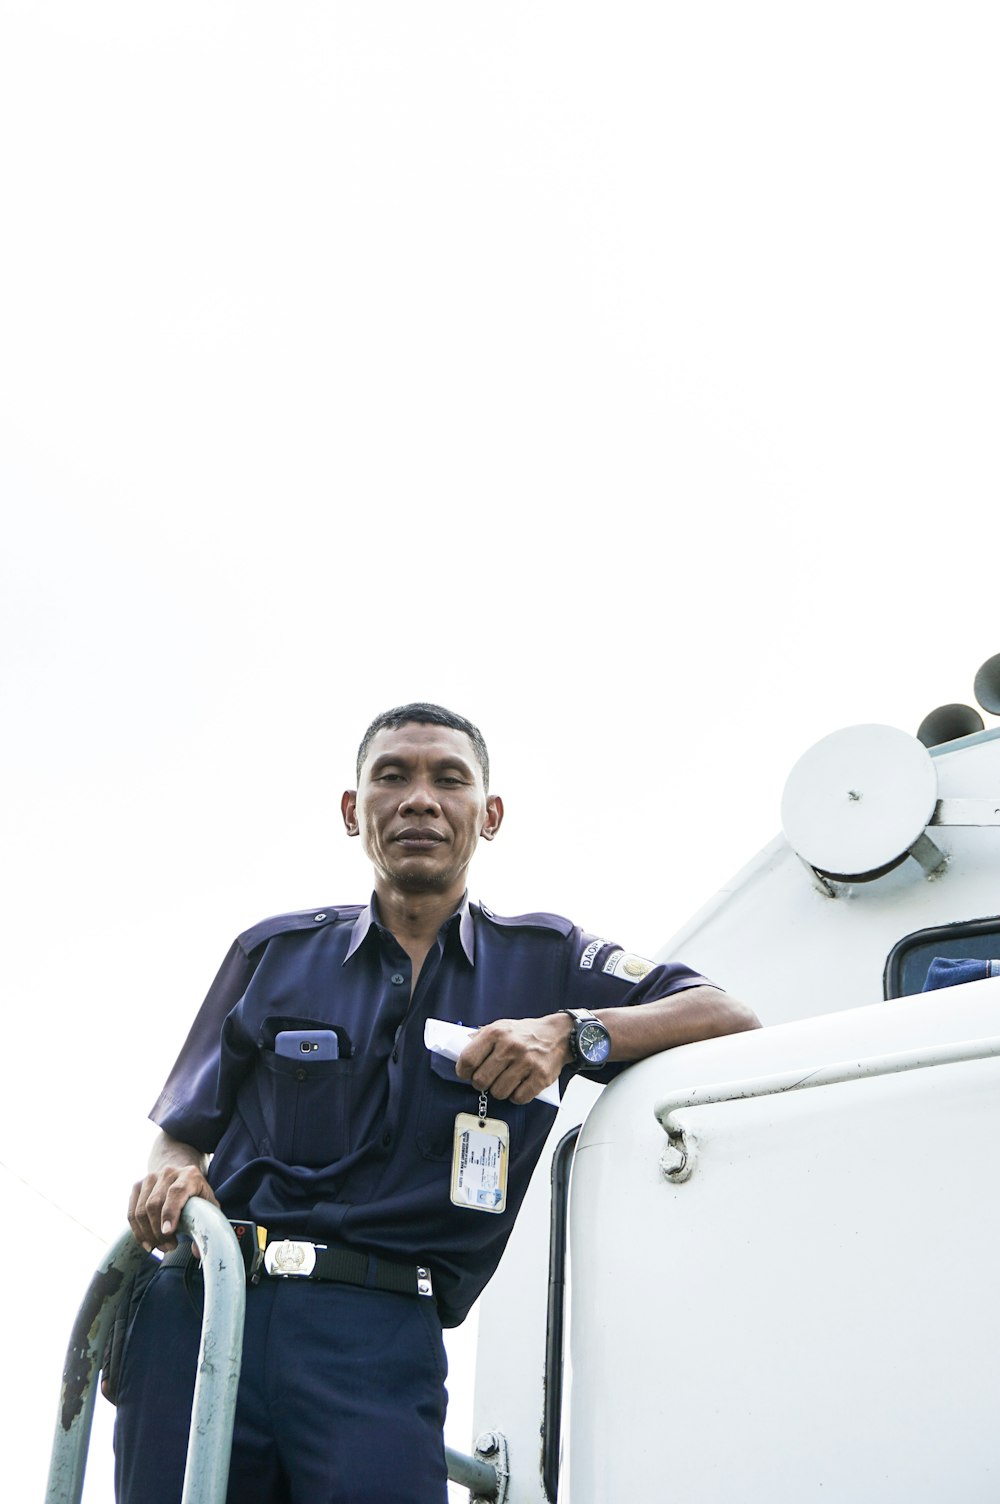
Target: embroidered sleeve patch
(628,967)
(591,953)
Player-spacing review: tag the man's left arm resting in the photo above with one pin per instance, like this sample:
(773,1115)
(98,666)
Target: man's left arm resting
(516,1058)
(683,1017)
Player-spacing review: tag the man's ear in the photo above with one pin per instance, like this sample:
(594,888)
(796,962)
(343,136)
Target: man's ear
(494,815)
(349,810)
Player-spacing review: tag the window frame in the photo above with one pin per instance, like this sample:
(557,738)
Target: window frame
(943,935)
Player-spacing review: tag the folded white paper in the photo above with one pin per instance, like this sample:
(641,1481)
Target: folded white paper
(450,1040)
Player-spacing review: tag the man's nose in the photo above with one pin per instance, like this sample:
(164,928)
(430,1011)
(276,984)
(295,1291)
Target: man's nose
(420,798)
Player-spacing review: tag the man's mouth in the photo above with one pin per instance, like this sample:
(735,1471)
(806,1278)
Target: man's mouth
(418,839)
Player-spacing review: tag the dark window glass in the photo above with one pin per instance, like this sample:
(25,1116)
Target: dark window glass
(909,959)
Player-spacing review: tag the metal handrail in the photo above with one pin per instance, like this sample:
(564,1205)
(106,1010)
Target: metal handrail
(210,1438)
(677,1159)
(219,1356)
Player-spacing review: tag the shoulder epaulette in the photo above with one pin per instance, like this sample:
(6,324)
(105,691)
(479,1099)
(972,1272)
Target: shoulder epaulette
(302,919)
(564,927)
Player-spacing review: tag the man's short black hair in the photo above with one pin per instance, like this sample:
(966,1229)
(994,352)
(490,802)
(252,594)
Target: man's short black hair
(425,714)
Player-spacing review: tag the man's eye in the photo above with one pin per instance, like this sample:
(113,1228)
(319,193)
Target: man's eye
(390,778)
(451,778)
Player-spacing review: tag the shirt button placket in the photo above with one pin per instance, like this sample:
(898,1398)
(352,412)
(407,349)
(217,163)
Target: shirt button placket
(396,979)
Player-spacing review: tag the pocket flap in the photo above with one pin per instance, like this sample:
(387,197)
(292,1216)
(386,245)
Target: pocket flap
(445,1068)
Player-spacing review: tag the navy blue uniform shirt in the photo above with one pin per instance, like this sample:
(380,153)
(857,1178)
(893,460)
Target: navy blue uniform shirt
(358,1149)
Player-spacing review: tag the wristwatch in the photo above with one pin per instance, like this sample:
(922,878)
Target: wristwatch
(589,1042)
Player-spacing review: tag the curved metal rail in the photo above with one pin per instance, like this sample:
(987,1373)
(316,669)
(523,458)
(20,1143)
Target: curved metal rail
(219,1356)
(210,1438)
(677,1159)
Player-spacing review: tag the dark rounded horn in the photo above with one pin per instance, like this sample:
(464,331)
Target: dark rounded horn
(949,722)
(987,685)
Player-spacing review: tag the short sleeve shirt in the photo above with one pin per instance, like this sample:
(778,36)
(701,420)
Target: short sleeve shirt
(358,1149)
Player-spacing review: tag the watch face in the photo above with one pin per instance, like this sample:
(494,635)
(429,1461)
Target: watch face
(594,1043)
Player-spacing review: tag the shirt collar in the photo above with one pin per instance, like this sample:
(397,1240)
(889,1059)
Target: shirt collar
(368,918)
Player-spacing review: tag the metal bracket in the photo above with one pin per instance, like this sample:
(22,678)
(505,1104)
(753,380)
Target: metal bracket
(485,1474)
(966,812)
(677,1159)
(818,881)
(931,857)
(491,1448)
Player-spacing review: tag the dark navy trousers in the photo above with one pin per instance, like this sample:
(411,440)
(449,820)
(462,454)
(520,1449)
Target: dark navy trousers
(341,1399)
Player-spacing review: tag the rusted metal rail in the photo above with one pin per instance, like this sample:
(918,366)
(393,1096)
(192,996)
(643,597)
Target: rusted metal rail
(211,1434)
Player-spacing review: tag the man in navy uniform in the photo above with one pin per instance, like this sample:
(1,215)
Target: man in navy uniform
(388,1178)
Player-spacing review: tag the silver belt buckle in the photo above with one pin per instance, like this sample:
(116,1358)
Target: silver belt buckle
(289,1258)
(424,1283)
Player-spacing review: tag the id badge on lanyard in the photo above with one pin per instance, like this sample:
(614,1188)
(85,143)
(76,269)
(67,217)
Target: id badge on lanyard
(479,1161)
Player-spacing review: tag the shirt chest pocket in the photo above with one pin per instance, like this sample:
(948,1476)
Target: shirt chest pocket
(305,1109)
(443,1097)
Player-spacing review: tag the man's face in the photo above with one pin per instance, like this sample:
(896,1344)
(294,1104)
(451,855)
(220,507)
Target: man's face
(421,808)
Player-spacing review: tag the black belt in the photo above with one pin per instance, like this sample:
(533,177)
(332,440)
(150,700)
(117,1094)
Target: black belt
(298,1258)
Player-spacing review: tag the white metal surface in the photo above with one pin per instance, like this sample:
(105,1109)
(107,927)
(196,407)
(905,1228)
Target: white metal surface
(771,937)
(810,1317)
(841,1182)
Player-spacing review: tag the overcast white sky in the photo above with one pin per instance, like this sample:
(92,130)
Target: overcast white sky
(624,377)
